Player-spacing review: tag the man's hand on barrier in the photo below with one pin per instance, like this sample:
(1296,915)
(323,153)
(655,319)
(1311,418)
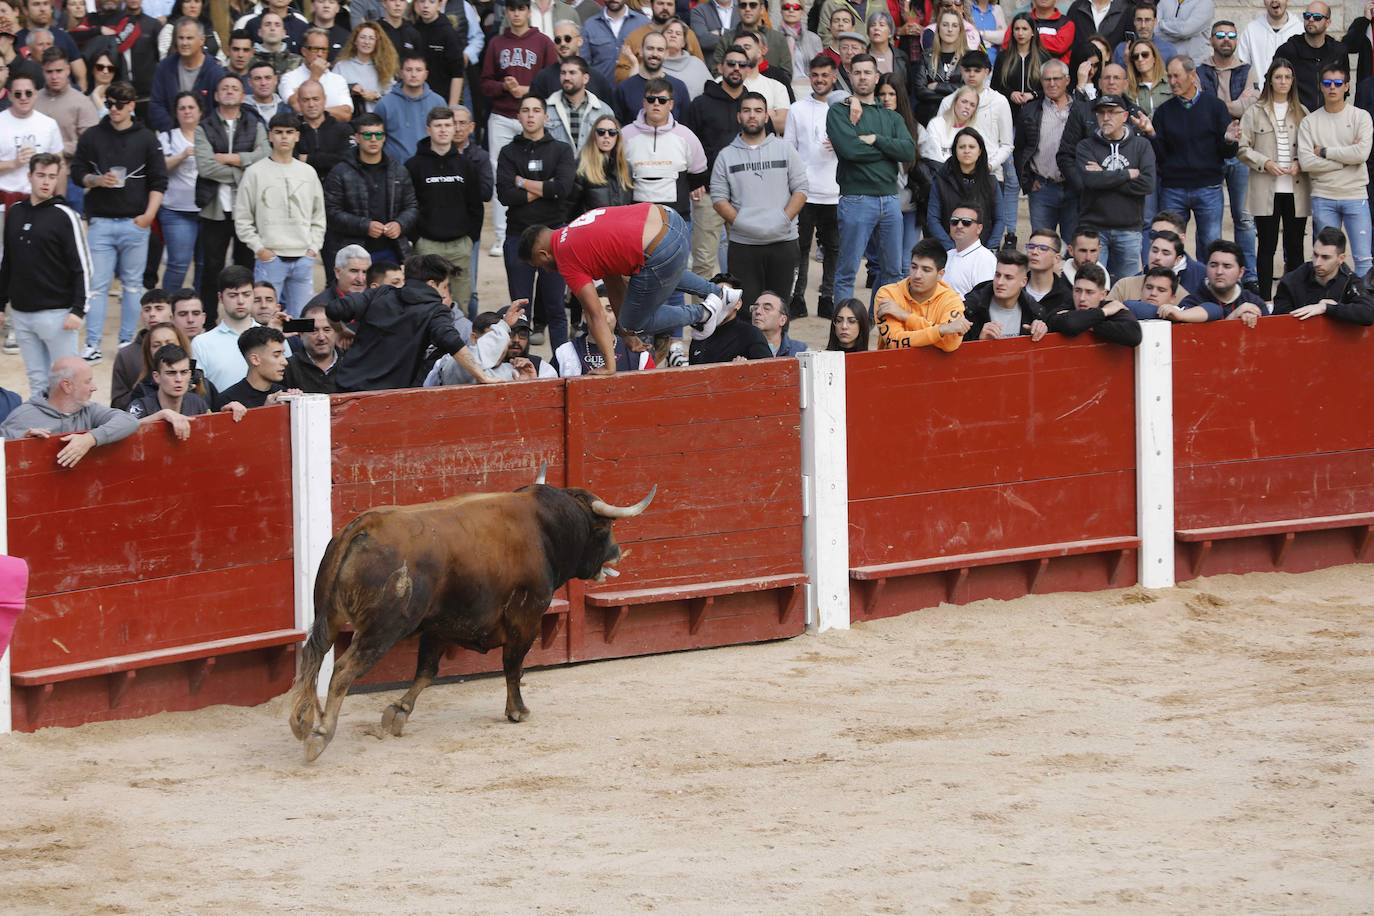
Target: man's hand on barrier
(991,331)
(1113,307)
(956,325)
(1313,310)
(78,444)
(236,409)
(1038,329)
(37,434)
(181,427)
(1247,313)
(524,369)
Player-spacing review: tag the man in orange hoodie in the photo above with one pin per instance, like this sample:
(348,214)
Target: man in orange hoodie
(922,310)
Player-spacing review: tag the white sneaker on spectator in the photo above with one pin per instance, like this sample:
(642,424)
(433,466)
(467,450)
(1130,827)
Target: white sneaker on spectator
(497,248)
(91,354)
(124,343)
(11,343)
(677,356)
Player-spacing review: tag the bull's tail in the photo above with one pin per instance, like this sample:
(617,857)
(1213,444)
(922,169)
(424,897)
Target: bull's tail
(329,617)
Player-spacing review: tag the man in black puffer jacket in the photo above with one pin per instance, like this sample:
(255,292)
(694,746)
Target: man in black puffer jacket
(1326,285)
(714,117)
(369,199)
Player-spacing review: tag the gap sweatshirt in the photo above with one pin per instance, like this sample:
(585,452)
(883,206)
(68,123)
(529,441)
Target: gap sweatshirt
(757,181)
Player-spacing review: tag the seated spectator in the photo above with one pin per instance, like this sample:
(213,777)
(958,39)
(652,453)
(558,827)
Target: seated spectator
(351,264)
(396,326)
(1084,248)
(187,313)
(518,355)
(264,352)
(922,310)
(580,355)
(1160,296)
(173,398)
(1000,307)
(1047,285)
(311,369)
(490,340)
(850,327)
(769,315)
(970,262)
(1166,250)
(1325,285)
(369,198)
(129,367)
(1093,311)
(69,406)
(733,341)
(217,351)
(1191,274)
(386,274)
(1222,295)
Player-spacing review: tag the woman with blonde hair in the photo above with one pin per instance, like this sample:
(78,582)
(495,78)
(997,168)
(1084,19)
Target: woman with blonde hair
(368,63)
(937,73)
(1145,79)
(1278,190)
(937,140)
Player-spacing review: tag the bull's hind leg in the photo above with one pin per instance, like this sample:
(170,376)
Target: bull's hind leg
(364,652)
(513,662)
(426,670)
(305,705)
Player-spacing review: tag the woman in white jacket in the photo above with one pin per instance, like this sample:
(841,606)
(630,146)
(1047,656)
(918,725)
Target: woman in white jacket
(994,124)
(937,139)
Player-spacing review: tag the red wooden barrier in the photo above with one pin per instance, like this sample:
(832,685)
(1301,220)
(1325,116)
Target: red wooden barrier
(1273,445)
(406,447)
(717,559)
(1005,468)
(161,572)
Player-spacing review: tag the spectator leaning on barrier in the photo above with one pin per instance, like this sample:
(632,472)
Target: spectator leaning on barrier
(44,272)
(217,350)
(1334,143)
(264,352)
(396,326)
(1047,285)
(311,369)
(129,367)
(999,307)
(1325,285)
(1222,296)
(752,177)
(279,215)
(1166,251)
(69,406)
(769,315)
(1158,296)
(1092,311)
(922,310)
(173,398)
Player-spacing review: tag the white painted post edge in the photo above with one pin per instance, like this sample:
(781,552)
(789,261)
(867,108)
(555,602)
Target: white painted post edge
(825,477)
(311,506)
(6,689)
(1154,453)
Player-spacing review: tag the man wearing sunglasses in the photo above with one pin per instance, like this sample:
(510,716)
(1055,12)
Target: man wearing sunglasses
(751,20)
(1228,78)
(1334,142)
(629,95)
(370,199)
(1311,51)
(567,40)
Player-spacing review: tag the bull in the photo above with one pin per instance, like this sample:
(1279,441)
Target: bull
(476,571)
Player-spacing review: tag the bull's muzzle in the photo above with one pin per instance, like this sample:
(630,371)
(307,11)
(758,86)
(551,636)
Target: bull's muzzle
(606,510)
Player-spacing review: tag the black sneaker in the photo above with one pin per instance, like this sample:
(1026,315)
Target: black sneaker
(1252,286)
(797,308)
(825,307)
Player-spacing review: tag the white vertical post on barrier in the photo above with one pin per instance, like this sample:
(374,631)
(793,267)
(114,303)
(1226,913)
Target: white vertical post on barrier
(1154,453)
(825,496)
(311,506)
(6,713)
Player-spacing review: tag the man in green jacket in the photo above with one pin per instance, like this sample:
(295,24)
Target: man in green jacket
(869,142)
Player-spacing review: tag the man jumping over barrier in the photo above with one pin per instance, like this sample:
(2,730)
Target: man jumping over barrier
(640,253)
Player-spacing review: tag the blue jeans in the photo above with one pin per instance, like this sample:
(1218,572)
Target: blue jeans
(1121,248)
(1006,206)
(294,281)
(1052,208)
(647,309)
(861,217)
(1151,208)
(180,230)
(76,197)
(117,245)
(1205,206)
(42,341)
(544,289)
(1236,175)
(1355,216)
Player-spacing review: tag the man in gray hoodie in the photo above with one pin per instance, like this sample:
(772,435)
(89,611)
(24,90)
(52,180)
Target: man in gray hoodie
(750,178)
(68,408)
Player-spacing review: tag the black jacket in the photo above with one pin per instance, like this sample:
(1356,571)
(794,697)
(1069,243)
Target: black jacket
(1058,298)
(1354,301)
(1121,328)
(1307,64)
(325,146)
(714,118)
(1357,42)
(45,258)
(587,196)
(395,328)
(348,209)
(142,53)
(978,302)
(1120,17)
(1111,198)
(737,337)
(245,141)
(930,84)
(1027,140)
(1082,123)
(450,190)
(547,160)
(546,83)
(302,373)
(136,149)
(443,48)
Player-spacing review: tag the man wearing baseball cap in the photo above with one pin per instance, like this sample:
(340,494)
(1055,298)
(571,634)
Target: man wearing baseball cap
(1117,169)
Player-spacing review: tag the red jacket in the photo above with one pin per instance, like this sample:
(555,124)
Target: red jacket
(1056,34)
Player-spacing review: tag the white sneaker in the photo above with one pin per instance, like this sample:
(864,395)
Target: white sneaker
(497,249)
(11,343)
(91,354)
(677,356)
(714,306)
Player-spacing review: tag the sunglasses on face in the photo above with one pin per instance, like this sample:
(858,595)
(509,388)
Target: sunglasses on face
(791,6)
(21,93)
(1332,84)
(105,68)
(1314,17)
(1142,55)
(749,6)
(1229,35)
(961,221)
(372,134)
(565,39)
(120,103)
(607,132)
(316,49)
(733,64)
(657,99)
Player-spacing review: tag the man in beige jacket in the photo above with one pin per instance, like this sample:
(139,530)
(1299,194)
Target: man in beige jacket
(1333,145)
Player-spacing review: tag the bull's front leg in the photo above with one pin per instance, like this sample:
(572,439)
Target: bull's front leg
(513,662)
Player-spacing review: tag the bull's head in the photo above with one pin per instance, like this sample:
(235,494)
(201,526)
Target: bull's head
(602,552)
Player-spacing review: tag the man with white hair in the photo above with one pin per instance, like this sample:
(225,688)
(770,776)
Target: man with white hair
(66,408)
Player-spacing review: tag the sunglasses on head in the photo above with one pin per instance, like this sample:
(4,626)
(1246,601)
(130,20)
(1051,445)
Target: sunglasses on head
(657,99)
(1314,17)
(1230,35)
(372,134)
(962,221)
(607,132)
(1332,84)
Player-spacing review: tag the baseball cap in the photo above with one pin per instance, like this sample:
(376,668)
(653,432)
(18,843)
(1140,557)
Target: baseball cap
(1110,101)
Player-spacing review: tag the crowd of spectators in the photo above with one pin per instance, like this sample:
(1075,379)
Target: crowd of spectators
(149,142)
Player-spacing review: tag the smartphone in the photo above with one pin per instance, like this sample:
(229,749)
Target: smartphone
(298,325)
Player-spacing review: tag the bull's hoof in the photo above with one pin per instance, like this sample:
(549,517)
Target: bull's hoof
(394,719)
(302,721)
(518,715)
(315,745)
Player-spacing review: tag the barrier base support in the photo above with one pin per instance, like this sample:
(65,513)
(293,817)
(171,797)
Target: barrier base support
(1284,532)
(699,596)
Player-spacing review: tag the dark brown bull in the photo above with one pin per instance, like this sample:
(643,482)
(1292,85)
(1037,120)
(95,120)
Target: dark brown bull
(476,571)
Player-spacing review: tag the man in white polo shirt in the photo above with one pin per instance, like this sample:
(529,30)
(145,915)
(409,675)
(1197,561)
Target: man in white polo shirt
(970,263)
(338,102)
(217,350)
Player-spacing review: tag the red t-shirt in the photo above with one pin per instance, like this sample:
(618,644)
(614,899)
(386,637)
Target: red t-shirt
(607,241)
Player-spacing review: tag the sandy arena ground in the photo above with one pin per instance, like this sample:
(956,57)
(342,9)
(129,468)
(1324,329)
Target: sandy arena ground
(1204,748)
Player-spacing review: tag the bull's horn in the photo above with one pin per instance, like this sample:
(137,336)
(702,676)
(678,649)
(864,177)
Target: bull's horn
(606,510)
(543,469)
